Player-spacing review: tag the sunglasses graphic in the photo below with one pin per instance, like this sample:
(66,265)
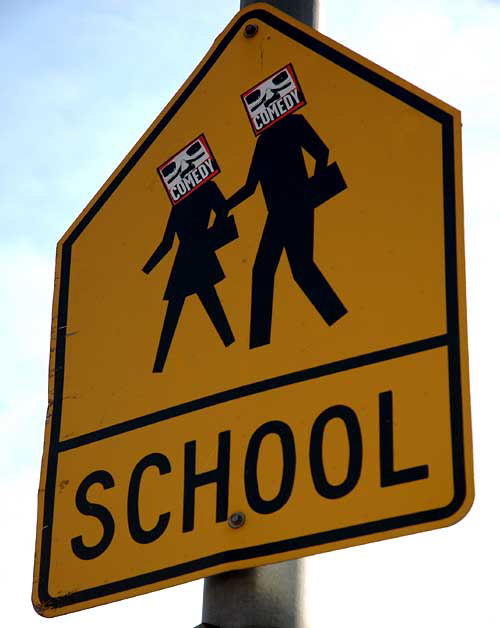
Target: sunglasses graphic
(183,165)
(266,97)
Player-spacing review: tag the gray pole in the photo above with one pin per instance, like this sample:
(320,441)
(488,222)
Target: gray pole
(306,11)
(270,596)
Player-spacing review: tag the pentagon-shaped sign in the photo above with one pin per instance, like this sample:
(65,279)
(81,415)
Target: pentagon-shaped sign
(259,345)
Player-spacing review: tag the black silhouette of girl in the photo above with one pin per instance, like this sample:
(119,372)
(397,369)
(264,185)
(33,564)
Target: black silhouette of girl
(196,268)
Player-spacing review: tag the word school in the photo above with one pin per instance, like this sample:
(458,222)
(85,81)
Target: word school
(189,479)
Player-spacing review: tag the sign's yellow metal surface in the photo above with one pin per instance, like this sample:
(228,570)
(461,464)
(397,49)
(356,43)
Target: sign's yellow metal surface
(350,422)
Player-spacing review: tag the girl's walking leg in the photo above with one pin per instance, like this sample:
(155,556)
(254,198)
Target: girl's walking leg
(172,314)
(211,302)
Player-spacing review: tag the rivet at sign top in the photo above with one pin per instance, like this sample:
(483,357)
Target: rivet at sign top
(251,30)
(236,520)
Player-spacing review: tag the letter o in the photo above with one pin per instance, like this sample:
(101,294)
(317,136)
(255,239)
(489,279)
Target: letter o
(256,502)
(321,483)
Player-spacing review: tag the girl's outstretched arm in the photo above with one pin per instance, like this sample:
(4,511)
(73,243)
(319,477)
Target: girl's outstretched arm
(163,248)
(249,186)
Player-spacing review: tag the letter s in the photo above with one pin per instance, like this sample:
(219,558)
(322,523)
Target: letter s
(98,511)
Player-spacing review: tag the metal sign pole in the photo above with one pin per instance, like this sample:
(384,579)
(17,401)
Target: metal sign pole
(270,596)
(263,597)
(307,11)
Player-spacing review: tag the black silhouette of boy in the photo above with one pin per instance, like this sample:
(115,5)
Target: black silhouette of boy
(278,164)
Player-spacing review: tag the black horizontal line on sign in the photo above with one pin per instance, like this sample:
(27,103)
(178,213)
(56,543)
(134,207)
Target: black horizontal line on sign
(303,375)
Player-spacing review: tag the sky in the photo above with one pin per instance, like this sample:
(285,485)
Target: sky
(82,80)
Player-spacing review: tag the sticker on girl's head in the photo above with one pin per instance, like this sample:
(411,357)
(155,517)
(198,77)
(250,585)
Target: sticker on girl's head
(188,169)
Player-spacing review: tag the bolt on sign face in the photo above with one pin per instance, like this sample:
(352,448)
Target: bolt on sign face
(259,347)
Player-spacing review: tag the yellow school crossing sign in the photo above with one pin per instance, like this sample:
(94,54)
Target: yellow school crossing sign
(259,343)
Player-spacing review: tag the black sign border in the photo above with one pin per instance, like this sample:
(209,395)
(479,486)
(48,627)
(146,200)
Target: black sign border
(451,339)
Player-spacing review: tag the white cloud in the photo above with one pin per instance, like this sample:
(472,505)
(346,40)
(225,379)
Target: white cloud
(26,288)
(179,607)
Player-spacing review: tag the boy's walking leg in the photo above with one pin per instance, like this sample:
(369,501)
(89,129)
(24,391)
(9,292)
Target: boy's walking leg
(264,270)
(308,276)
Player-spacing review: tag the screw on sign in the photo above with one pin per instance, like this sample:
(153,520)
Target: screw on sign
(294,378)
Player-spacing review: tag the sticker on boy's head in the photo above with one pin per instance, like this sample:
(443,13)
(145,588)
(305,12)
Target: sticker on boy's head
(273,98)
(188,169)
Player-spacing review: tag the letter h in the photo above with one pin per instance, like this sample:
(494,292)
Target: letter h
(193,480)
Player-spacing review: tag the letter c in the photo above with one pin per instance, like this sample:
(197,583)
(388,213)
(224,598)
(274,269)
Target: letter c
(137,532)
